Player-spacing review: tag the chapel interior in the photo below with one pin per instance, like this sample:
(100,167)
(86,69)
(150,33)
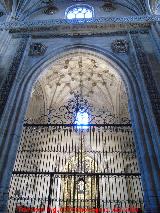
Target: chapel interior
(79,106)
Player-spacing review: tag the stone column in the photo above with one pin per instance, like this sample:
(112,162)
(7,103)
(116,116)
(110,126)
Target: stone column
(9,141)
(147,142)
(5,38)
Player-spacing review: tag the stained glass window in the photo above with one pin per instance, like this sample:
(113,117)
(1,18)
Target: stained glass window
(79,12)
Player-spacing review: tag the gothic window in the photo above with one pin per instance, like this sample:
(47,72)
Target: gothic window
(79,11)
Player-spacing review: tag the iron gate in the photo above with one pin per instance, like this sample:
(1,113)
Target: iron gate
(73,168)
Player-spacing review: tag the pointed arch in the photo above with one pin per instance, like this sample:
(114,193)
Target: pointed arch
(143,127)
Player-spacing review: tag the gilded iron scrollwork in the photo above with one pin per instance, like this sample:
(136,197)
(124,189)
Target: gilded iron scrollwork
(67,113)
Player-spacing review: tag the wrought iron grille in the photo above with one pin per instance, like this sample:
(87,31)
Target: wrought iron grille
(66,114)
(63,166)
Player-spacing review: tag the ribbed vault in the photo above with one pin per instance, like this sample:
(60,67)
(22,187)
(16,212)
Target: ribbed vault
(96,80)
(7,5)
(21,9)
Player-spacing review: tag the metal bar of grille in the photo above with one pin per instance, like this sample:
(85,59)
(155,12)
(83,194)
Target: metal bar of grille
(62,165)
(75,173)
(75,125)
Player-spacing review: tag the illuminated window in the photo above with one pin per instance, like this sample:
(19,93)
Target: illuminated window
(82,119)
(82,11)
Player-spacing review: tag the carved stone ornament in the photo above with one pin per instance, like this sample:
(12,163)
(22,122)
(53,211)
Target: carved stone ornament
(37,49)
(120,46)
(50,10)
(1,13)
(108,6)
(47,1)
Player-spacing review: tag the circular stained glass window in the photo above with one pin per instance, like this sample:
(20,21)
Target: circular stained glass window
(79,12)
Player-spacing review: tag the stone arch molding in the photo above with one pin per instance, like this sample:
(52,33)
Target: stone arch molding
(15,110)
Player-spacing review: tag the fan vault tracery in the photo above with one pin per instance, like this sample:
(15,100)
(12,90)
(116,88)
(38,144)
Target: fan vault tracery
(93,78)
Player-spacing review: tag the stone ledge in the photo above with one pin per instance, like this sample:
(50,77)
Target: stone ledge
(96,24)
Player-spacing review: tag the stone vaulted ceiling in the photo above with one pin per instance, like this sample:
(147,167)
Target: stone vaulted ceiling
(7,5)
(24,8)
(96,80)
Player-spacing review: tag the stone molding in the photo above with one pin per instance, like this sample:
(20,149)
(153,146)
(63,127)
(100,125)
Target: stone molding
(148,77)
(64,25)
(6,87)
